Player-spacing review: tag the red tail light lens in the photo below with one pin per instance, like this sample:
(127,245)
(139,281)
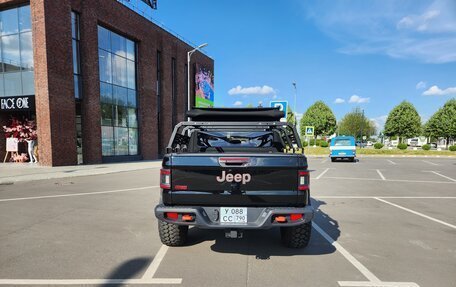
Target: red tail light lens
(303,180)
(172,215)
(295,216)
(165,178)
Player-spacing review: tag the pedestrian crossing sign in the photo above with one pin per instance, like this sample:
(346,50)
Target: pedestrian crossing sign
(310,130)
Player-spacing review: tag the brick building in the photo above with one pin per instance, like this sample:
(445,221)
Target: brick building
(102,82)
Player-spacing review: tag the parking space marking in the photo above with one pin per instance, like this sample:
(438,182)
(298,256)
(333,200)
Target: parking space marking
(444,176)
(150,272)
(321,174)
(81,282)
(428,162)
(417,213)
(376,284)
(324,161)
(380,174)
(358,265)
(79,194)
(393,180)
(388,197)
(391,162)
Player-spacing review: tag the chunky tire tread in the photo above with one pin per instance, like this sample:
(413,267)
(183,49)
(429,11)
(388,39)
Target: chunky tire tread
(172,234)
(296,236)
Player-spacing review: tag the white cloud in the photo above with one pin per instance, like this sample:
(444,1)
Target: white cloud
(339,101)
(257,90)
(436,91)
(358,100)
(423,31)
(237,103)
(421,85)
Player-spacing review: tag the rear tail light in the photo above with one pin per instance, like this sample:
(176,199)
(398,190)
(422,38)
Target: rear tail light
(303,180)
(165,178)
(295,216)
(172,215)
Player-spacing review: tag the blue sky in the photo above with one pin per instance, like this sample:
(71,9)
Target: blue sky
(371,54)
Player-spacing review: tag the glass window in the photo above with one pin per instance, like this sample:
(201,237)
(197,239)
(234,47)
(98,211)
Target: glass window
(118,92)
(10,53)
(25,19)
(119,71)
(133,141)
(107,140)
(106,93)
(13,84)
(104,41)
(10,21)
(106,114)
(76,55)
(104,59)
(28,83)
(131,74)
(77,86)
(121,141)
(118,45)
(2,88)
(26,51)
(131,53)
(132,98)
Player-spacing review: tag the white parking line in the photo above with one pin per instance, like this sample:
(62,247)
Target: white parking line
(380,174)
(392,180)
(321,174)
(150,272)
(392,162)
(388,197)
(444,176)
(428,162)
(417,213)
(81,282)
(79,194)
(358,265)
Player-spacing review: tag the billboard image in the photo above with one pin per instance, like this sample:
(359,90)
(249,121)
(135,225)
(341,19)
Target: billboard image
(204,88)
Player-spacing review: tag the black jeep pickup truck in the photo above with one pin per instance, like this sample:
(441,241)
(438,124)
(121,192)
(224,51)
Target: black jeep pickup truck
(235,169)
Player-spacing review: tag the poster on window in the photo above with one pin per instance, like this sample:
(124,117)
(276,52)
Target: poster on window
(204,89)
(12,144)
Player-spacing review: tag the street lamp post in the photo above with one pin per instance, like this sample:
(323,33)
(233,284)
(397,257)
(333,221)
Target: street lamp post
(189,56)
(295,95)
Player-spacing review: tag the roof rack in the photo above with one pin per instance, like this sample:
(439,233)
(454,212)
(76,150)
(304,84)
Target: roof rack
(235,114)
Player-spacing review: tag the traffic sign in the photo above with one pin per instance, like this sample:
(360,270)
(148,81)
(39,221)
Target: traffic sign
(283,106)
(310,131)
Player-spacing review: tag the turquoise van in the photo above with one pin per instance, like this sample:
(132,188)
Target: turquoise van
(342,147)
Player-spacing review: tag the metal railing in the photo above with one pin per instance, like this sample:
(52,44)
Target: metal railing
(146,11)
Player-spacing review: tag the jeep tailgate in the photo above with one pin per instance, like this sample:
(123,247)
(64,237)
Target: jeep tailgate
(235,180)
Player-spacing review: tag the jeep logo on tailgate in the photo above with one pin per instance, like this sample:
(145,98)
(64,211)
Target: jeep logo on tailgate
(238,177)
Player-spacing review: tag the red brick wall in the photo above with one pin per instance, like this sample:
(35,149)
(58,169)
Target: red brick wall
(55,106)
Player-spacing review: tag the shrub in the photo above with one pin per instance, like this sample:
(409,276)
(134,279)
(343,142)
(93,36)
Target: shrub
(402,146)
(426,147)
(452,148)
(304,143)
(378,145)
(324,144)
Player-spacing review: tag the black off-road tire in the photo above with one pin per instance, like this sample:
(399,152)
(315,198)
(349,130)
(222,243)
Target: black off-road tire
(172,234)
(296,236)
(333,159)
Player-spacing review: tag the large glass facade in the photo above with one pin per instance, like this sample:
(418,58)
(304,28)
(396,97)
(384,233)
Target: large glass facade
(76,38)
(16,53)
(119,123)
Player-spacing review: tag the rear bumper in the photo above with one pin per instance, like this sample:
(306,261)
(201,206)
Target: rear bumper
(257,218)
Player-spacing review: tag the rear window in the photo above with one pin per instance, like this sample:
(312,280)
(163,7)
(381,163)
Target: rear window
(342,142)
(235,139)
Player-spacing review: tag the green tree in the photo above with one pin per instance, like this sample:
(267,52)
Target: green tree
(321,117)
(443,122)
(403,121)
(356,124)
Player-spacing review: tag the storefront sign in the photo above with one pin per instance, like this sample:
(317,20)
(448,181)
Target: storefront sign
(23,103)
(12,144)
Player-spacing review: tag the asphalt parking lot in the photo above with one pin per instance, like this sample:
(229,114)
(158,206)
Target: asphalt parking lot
(379,222)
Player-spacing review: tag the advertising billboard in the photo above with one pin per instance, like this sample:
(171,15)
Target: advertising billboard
(204,88)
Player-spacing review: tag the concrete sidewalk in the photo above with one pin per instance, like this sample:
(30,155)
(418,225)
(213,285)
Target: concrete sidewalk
(18,172)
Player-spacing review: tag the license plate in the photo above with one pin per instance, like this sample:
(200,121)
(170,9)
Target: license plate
(233,215)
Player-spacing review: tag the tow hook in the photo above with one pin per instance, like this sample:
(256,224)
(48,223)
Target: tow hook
(233,233)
